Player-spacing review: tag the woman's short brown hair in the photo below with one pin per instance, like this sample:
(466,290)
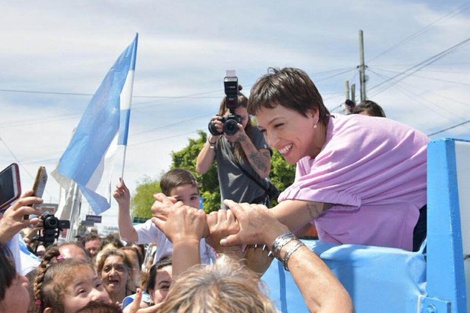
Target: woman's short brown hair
(289,87)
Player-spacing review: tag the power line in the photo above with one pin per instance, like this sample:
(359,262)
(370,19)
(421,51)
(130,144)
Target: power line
(430,78)
(449,128)
(15,158)
(428,27)
(420,66)
(194,96)
(406,91)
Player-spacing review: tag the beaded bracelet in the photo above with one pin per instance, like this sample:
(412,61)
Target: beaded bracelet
(280,242)
(290,252)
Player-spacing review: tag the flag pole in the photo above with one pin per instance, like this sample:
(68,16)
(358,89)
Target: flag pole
(89,157)
(126,102)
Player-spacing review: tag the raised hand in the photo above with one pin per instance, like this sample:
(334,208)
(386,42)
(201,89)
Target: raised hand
(222,223)
(122,194)
(258,258)
(13,221)
(258,225)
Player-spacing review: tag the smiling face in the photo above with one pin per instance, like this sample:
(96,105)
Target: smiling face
(85,287)
(115,275)
(162,284)
(290,132)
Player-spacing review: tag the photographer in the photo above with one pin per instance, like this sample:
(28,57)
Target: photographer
(243,157)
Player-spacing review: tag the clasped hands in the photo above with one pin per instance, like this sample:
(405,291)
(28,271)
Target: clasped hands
(250,226)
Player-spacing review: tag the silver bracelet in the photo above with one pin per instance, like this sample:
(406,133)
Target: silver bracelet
(291,251)
(280,242)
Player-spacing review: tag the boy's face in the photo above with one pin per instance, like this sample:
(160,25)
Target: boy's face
(188,194)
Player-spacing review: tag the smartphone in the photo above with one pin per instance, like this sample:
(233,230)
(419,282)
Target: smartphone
(10,185)
(39,184)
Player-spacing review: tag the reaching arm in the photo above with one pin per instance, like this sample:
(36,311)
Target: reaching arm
(123,198)
(206,156)
(184,227)
(222,223)
(320,288)
(296,214)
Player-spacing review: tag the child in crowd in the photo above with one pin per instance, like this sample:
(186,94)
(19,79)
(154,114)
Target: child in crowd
(66,284)
(178,183)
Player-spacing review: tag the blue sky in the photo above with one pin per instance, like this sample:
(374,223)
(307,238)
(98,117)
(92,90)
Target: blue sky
(55,55)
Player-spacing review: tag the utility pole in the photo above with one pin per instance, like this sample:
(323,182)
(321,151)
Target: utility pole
(362,66)
(353,93)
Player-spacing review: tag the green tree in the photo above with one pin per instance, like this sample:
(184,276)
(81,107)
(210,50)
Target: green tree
(282,173)
(143,198)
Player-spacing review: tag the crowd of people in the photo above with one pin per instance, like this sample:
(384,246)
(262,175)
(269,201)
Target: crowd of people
(359,180)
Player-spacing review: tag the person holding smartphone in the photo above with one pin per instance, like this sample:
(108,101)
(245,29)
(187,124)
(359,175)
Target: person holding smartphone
(12,221)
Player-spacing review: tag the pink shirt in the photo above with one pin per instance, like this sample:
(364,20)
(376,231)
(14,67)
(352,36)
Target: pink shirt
(373,171)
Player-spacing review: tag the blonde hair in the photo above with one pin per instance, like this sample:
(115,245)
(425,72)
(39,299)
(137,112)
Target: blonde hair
(227,286)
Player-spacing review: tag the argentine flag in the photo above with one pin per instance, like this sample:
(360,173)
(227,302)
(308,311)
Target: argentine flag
(89,157)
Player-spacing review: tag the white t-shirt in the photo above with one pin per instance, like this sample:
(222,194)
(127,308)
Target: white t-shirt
(148,233)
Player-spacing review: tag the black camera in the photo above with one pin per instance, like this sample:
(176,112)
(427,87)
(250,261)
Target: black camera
(52,227)
(230,125)
(231,100)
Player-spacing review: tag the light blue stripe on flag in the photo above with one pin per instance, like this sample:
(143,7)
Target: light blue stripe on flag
(88,159)
(124,128)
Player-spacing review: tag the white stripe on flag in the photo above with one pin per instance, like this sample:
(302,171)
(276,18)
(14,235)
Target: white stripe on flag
(88,159)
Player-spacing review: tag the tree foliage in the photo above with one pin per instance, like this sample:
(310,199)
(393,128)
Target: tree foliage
(282,175)
(143,198)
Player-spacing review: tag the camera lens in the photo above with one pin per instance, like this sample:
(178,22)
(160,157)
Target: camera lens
(50,222)
(231,127)
(213,130)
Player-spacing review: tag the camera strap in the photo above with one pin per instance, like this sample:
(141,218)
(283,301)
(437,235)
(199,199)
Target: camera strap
(251,177)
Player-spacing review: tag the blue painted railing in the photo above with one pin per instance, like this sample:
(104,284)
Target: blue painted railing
(432,280)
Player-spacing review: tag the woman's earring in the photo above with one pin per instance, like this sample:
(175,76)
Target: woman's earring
(315,126)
